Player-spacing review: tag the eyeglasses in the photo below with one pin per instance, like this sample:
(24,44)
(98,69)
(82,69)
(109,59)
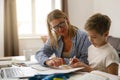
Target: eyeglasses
(60,25)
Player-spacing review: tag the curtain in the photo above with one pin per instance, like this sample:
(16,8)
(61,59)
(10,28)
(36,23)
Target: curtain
(10,29)
(65,6)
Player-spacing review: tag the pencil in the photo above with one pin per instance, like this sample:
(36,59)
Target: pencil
(72,60)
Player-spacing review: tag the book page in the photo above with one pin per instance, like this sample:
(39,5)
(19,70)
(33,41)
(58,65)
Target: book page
(57,71)
(110,76)
(90,76)
(54,70)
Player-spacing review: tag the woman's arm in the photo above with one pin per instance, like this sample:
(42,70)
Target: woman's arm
(82,46)
(44,53)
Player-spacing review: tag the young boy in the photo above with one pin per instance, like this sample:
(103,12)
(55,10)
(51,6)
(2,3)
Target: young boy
(101,55)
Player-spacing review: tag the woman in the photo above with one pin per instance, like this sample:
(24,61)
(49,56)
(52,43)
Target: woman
(65,41)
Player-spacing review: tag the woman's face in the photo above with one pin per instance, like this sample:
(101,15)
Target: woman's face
(59,26)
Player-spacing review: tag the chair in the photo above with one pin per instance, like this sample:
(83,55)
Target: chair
(115,42)
(44,38)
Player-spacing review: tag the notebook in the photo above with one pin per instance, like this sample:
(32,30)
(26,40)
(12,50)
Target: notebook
(5,64)
(17,72)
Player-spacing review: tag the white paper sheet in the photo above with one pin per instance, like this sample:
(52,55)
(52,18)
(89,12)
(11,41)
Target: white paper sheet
(47,70)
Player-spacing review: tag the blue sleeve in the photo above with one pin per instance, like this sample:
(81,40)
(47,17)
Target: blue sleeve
(82,46)
(44,53)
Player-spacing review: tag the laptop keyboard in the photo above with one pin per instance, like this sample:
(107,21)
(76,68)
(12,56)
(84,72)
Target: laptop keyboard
(18,72)
(14,72)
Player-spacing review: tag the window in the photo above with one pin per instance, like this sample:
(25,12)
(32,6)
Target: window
(31,15)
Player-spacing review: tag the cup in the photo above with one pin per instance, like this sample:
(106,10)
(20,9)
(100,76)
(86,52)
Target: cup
(27,54)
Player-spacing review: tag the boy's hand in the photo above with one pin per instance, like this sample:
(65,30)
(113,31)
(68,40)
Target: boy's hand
(73,60)
(86,68)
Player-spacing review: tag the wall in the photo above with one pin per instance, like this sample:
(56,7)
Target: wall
(79,10)
(112,9)
(1,28)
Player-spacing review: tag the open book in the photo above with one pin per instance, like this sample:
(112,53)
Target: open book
(61,69)
(98,75)
(110,76)
(90,76)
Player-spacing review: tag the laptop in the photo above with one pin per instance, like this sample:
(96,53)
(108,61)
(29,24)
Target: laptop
(17,72)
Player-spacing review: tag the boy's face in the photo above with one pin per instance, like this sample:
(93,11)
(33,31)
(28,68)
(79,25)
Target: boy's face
(96,39)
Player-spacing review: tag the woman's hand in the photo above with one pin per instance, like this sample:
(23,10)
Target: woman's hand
(55,62)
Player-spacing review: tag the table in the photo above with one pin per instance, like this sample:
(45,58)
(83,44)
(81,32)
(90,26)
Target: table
(75,75)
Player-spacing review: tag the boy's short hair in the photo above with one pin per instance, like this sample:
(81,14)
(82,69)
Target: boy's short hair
(98,22)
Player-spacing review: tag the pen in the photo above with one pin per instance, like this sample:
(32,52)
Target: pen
(72,60)
(74,57)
